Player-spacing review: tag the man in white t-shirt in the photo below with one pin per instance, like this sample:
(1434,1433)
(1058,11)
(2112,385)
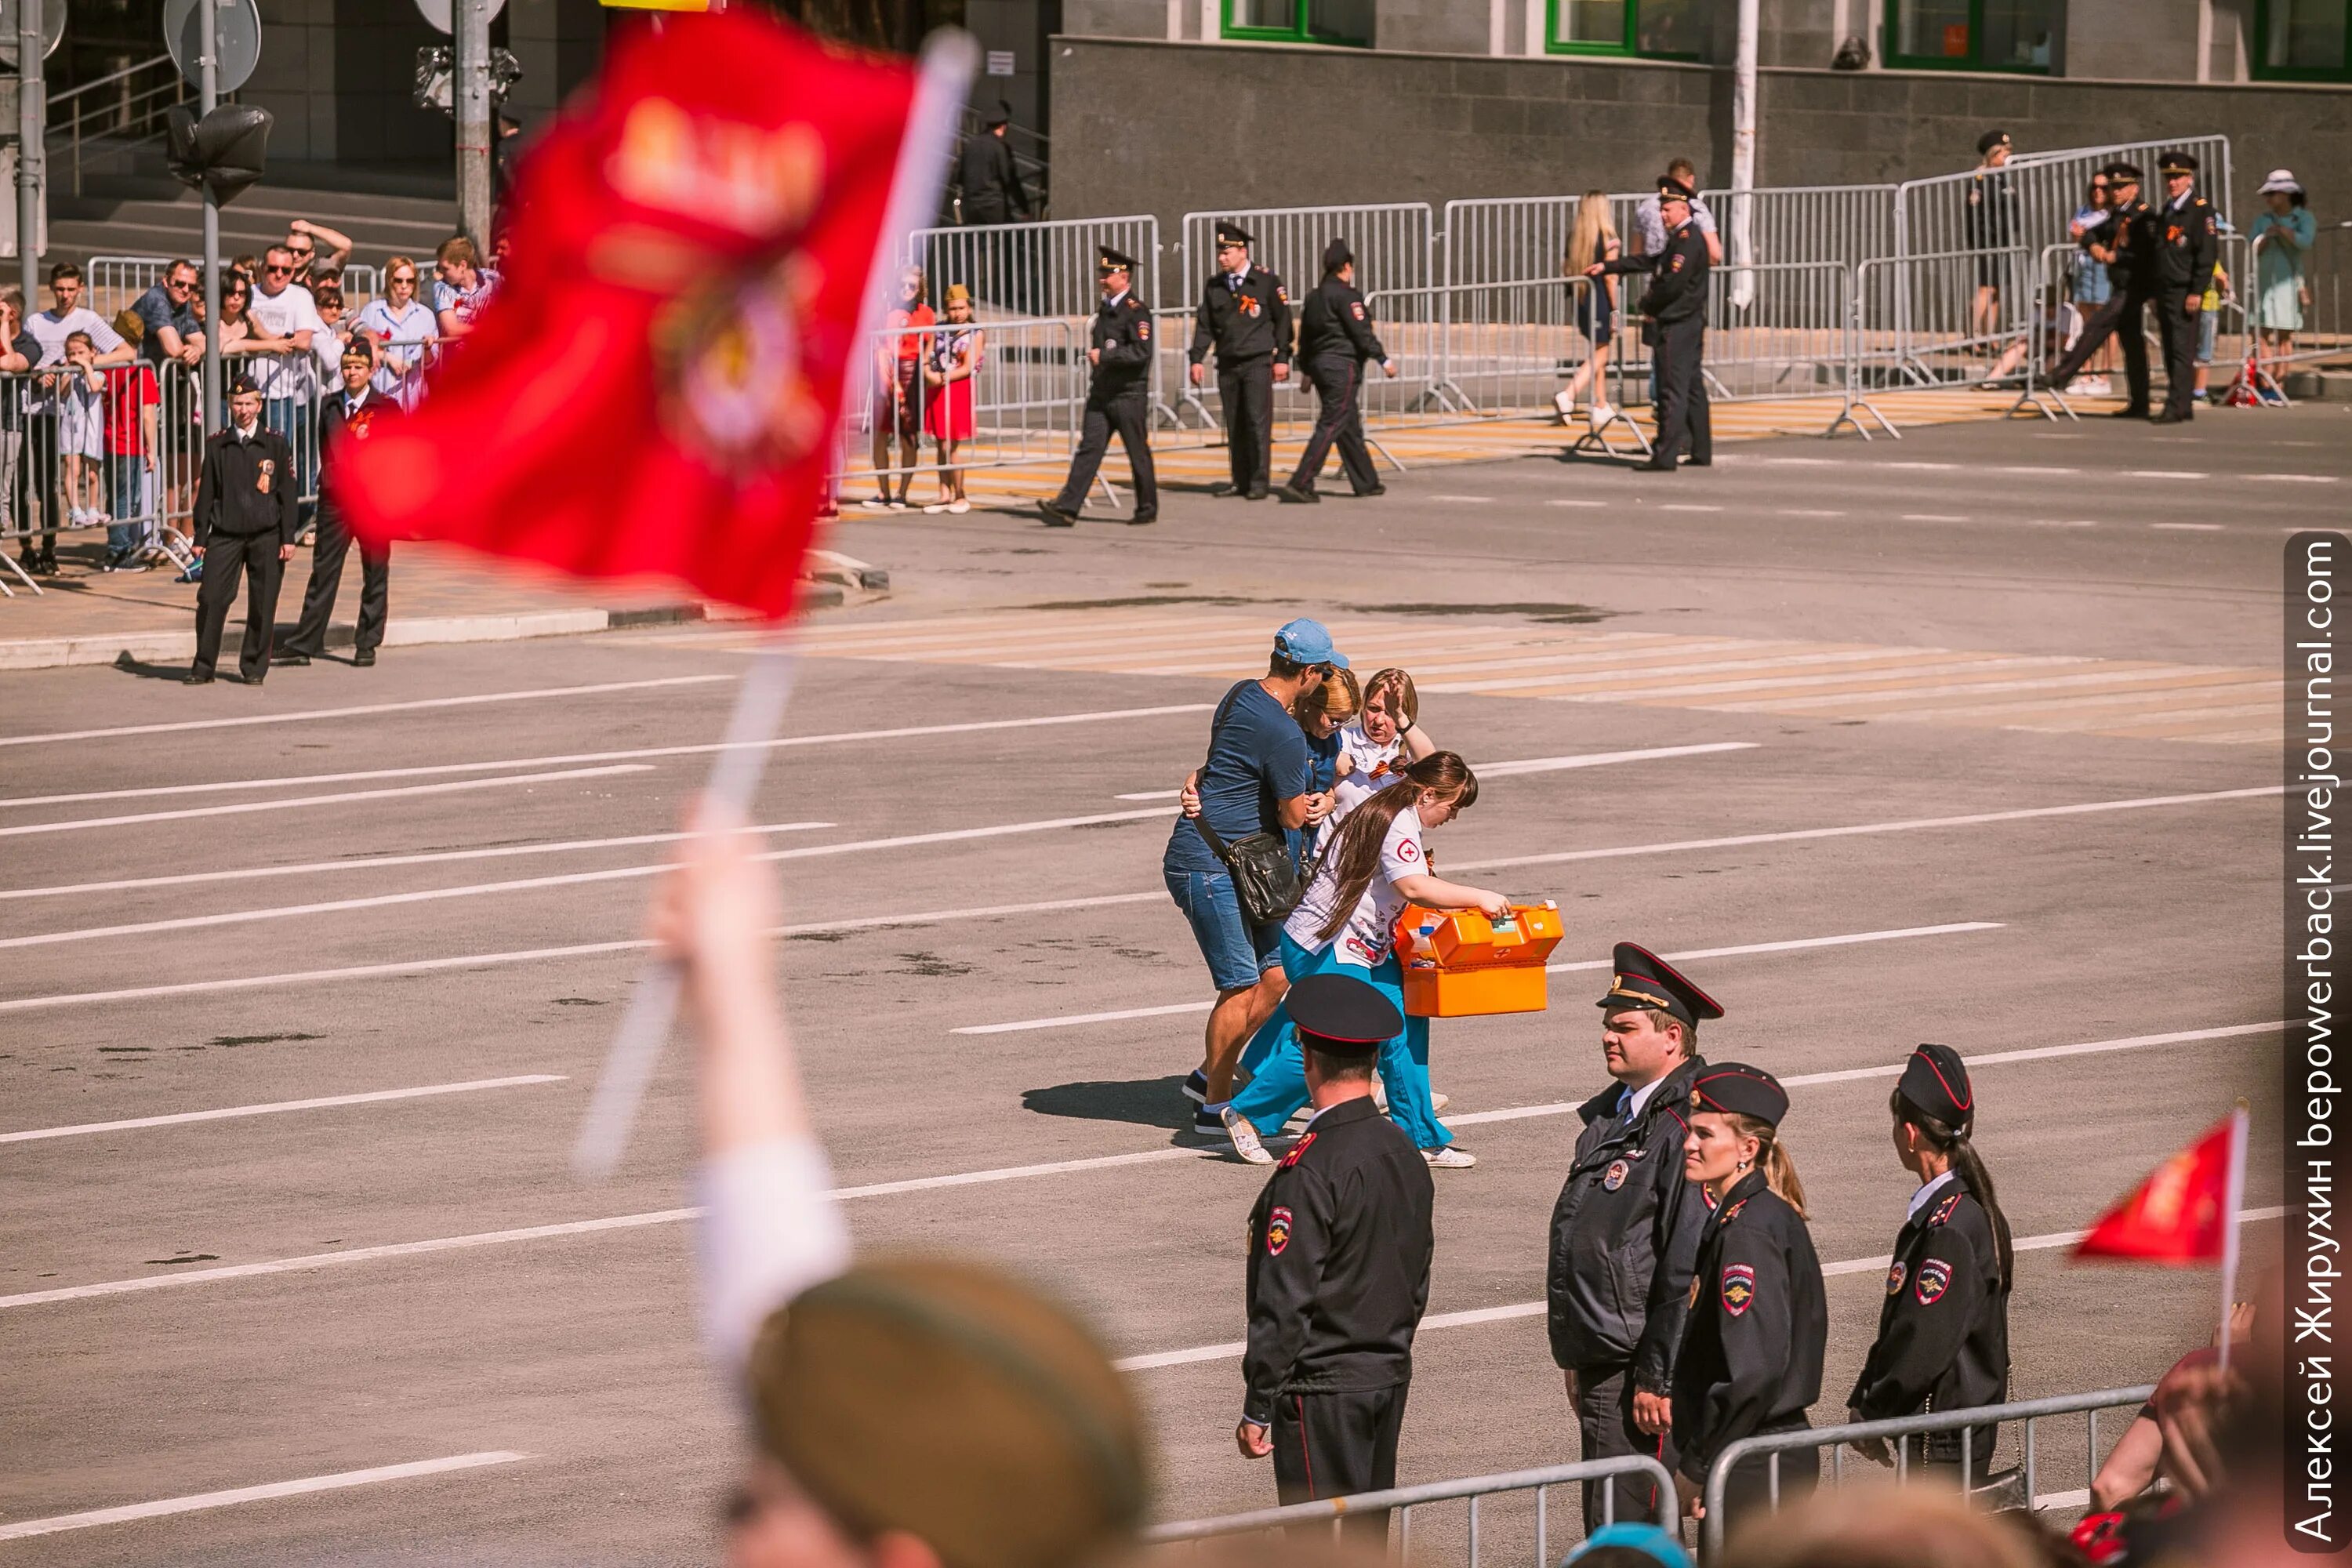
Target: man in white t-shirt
(1649,236)
(66,316)
(290,382)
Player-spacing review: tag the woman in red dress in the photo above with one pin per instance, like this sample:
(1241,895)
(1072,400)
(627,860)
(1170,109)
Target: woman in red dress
(952,365)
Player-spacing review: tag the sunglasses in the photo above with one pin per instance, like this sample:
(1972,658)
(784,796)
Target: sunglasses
(277,271)
(403,278)
(303,251)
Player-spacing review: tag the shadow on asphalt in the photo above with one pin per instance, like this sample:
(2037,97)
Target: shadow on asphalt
(1146,1101)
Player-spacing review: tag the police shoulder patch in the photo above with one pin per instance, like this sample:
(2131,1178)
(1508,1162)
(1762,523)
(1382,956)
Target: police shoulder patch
(1357,307)
(1895,1276)
(1143,331)
(1298,1153)
(1945,1210)
(1934,1279)
(1282,293)
(1733,1212)
(1277,1232)
(1738,1287)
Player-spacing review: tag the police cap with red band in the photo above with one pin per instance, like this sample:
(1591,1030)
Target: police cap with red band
(1739,1088)
(1342,1016)
(1643,979)
(1109,260)
(1936,1081)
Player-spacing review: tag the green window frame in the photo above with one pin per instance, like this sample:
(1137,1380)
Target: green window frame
(1972,58)
(1693,13)
(2259,53)
(1302,28)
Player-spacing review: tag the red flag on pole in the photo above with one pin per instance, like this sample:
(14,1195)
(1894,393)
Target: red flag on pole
(653,389)
(2185,1212)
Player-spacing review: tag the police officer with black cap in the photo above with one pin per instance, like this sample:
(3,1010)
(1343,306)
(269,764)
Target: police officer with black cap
(2126,245)
(1245,314)
(2187,243)
(1340,1245)
(1117,397)
(1674,325)
(1336,340)
(1751,1355)
(1626,1230)
(1943,1329)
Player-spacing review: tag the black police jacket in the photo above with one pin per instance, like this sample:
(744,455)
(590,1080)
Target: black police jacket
(338,424)
(247,488)
(2132,239)
(1339,1263)
(2187,243)
(1751,1357)
(1677,289)
(1246,324)
(1336,324)
(1943,1329)
(1625,1235)
(992,191)
(1121,337)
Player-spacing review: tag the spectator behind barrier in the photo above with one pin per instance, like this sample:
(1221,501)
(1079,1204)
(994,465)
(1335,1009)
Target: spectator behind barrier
(19,353)
(327,346)
(170,329)
(66,316)
(290,381)
(1649,235)
(2283,234)
(463,289)
(898,388)
(303,238)
(904,1413)
(134,398)
(403,327)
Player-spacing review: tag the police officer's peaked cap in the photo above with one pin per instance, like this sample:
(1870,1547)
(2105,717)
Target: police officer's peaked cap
(1114,260)
(952,1401)
(995,116)
(1740,1088)
(2120,170)
(1643,979)
(1336,255)
(242,384)
(1991,140)
(1672,188)
(1937,1081)
(2178,162)
(1234,234)
(1342,1016)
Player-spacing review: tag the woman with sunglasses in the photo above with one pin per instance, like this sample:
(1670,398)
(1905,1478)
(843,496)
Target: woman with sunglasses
(402,330)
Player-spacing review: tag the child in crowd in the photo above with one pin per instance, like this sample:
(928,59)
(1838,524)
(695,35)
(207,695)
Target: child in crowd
(81,430)
(1375,749)
(2209,318)
(133,410)
(950,369)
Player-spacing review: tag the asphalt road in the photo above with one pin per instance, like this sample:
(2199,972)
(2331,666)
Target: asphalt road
(193,1307)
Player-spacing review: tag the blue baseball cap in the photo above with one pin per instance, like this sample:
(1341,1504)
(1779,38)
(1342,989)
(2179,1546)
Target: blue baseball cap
(1308,642)
(1643,1538)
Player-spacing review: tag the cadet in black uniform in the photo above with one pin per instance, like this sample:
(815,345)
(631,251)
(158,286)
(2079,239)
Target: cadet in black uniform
(1336,340)
(1245,314)
(1117,397)
(1751,1358)
(245,525)
(1943,1330)
(1626,1230)
(1339,1266)
(1674,313)
(2188,242)
(2129,253)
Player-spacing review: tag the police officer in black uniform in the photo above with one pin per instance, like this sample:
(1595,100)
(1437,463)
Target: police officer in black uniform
(1674,325)
(1943,1329)
(1245,315)
(1117,397)
(1751,1356)
(1626,1230)
(1339,1266)
(1336,340)
(2188,242)
(2126,244)
(245,525)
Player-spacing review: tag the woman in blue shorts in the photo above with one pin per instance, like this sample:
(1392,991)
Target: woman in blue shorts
(1593,239)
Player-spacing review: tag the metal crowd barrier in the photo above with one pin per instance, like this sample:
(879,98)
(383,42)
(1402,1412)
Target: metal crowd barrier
(1510,239)
(1028,396)
(1403,1501)
(2035,195)
(78,460)
(1031,270)
(1395,245)
(2325,330)
(1923,321)
(1772,1444)
(115,282)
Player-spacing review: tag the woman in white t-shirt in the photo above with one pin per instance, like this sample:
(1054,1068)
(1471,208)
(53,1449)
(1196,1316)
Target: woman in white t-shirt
(1368,871)
(1385,737)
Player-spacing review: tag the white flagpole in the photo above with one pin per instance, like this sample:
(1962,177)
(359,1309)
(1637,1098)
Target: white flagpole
(2234,1201)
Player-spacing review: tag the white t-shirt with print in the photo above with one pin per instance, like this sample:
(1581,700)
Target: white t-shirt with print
(1377,767)
(289,310)
(1371,931)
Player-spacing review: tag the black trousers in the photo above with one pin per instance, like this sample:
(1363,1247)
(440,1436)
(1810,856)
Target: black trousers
(1247,392)
(1341,422)
(229,556)
(327,579)
(1604,1424)
(1684,421)
(1748,1491)
(1128,414)
(1336,1445)
(2176,330)
(2120,315)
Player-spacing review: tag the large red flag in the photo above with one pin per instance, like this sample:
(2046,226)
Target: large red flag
(654,388)
(2181,1213)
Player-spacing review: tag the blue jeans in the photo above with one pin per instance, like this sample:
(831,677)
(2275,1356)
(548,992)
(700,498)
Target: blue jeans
(126,496)
(1237,951)
(1280,1087)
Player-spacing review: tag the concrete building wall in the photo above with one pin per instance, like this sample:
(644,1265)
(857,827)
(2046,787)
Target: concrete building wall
(295,78)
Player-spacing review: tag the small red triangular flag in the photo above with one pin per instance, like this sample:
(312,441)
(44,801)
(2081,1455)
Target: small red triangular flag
(2180,1215)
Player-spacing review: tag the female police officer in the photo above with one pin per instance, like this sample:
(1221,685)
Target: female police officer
(1751,1355)
(1943,1329)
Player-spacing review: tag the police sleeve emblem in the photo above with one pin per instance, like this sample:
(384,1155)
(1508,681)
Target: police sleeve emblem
(1616,1177)
(1739,1289)
(1277,1232)
(1143,331)
(1934,1279)
(1358,309)
(1895,1276)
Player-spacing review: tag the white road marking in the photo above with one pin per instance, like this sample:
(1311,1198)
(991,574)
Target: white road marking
(366,710)
(380,862)
(1575,500)
(230,1498)
(2062,522)
(2189,527)
(1464,501)
(2033,468)
(2163,474)
(1937,468)
(1232,1349)
(2289,479)
(372,1096)
(1802,511)
(186,813)
(1687,505)
(972,1178)
(638,753)
(1933,517)
(1070,1019)
(535,884)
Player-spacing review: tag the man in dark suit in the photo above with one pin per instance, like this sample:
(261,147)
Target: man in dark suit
(344,415)
(992,187)
(245,519)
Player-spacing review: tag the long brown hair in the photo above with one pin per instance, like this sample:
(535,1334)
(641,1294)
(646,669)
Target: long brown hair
(1780,1170)
(1952,1142)
(1353,856)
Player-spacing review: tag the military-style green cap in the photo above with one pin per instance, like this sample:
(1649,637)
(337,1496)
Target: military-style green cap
(952,1401)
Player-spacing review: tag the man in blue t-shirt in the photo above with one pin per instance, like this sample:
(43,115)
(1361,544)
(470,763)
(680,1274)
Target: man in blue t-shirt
(1258,779)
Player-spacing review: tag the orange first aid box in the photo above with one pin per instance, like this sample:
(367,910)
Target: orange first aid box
(1462,964)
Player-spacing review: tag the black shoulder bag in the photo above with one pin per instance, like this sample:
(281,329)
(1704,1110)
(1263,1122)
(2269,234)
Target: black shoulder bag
(1266,878)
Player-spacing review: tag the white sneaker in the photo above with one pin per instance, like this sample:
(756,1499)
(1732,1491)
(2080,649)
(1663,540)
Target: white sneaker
(1439,1101)
(1566,403)
(1244,1137)
(876,503)
(959,506)
(1601,414)
(1449,1158)
(935,507)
